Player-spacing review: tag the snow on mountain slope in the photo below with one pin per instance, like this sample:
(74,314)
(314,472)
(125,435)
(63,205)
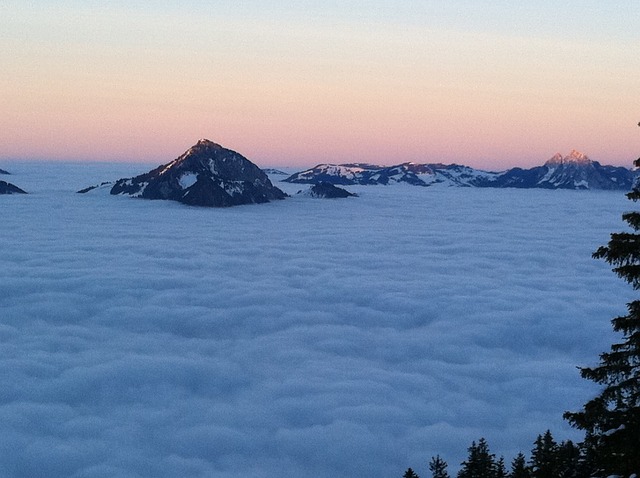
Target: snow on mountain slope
(574,171)
(409,173)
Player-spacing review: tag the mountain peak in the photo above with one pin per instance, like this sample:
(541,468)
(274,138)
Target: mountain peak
(202,149)
(206,175)
(205,143)
(574,157)
(577,156)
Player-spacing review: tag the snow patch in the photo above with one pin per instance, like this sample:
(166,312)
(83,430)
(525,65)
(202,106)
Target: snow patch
(212,167)
(168,167)
(548,175)
(608,433)
(582,184)
(233,187)
(187,180)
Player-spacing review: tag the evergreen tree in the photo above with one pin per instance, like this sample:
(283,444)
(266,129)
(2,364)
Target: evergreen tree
(612,419)
(480,463)
(438,467)
(500,470)
(410,474)
(587,464)
(544,457)
(519,467)
(569,461)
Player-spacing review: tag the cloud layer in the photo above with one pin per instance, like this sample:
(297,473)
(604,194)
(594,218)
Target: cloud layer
(330,338)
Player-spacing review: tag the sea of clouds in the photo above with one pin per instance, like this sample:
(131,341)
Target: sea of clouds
(302,337)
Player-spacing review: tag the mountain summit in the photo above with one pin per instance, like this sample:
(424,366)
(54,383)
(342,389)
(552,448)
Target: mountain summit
(207,174)
(574,157)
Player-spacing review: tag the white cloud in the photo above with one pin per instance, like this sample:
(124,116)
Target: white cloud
(144,338)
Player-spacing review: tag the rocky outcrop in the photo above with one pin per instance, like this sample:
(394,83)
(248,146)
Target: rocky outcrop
(326,190)
(8,188)
(103,185)
(275,172)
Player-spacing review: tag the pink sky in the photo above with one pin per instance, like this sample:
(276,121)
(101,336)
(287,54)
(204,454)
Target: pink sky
(287,88)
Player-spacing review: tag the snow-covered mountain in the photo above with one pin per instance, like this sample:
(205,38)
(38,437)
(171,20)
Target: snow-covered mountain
(345,174)
(8,188)
(410,173)
(574,171)
(205,175)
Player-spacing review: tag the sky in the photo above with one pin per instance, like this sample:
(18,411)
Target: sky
(489,84)
(303,337)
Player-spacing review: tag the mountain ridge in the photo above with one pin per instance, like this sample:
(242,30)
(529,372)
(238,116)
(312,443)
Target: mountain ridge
(573,171)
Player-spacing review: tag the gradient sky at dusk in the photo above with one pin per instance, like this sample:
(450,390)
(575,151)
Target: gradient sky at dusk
(489,84)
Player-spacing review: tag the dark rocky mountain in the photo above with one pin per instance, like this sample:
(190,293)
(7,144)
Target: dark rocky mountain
(205,175)
(326,190)
(8,188)
(575,171)
(2,171)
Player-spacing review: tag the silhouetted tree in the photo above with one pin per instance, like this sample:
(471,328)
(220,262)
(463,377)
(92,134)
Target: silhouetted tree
(569,461)
(480,463)
(519,467)
(438,467)
(499,469)
(410,474)
(612,419)
(544,457)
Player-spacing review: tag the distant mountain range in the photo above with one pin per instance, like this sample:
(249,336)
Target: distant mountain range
(574,171)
